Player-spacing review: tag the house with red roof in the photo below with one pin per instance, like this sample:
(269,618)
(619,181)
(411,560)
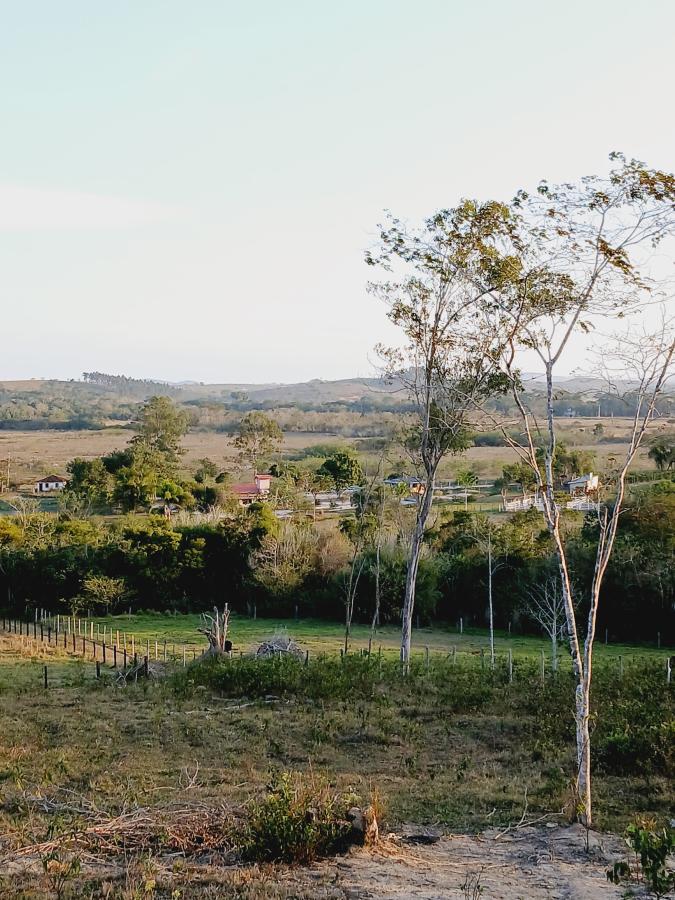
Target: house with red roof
(248,492)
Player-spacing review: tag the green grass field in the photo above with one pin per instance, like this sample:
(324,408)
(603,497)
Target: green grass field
(24,670)
(328,637)
(320,636)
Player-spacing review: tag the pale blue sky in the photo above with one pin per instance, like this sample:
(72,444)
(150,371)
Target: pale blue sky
(187,188)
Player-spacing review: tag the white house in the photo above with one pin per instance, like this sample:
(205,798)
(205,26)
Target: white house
(50,483)
(584,484)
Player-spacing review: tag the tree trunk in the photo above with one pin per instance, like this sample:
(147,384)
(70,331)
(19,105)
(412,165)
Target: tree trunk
(491,612)
(376,613)
(411,575)
(215,630)
(582,716)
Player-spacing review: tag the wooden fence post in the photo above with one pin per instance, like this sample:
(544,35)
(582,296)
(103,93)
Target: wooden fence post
(426,658)
(510,666)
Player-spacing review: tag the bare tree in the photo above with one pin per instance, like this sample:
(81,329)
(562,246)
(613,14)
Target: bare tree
(486,536)
(581,255)
(546,605)
(365,525)
(215,629)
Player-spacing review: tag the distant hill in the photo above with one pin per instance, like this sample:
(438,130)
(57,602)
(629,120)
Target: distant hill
(314,391)
(346,390)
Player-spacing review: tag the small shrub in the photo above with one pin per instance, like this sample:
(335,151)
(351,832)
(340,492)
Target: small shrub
(299,820)
(652,846)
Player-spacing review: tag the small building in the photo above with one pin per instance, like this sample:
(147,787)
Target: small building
(415,485)
(50,483)
(248,492)
(584,484)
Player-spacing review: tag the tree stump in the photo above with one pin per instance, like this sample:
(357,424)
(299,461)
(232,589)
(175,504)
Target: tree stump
(365,830)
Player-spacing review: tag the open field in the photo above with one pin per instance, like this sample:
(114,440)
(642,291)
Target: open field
(454,748)
(320,636)
(36,453)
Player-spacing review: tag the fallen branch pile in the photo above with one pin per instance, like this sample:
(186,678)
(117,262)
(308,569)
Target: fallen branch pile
(154,671)
(276,645)
(193,830)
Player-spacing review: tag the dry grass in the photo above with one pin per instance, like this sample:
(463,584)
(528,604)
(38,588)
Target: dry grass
(140,766)
(35,453)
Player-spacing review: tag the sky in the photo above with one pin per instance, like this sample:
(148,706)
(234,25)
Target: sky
(187,189)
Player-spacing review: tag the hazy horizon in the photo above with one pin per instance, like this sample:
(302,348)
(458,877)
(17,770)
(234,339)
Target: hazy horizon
(186,192)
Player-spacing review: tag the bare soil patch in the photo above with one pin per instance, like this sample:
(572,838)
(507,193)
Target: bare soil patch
(530,863)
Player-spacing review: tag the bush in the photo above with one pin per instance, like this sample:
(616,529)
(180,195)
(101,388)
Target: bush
(652,846)
(300,819)
(355,677)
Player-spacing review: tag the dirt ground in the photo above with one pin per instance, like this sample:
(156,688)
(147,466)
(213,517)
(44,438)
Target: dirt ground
(529,863)
(543,862)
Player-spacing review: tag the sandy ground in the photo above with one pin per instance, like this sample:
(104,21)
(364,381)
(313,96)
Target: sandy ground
(529,863)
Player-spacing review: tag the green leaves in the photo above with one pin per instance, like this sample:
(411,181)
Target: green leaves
(343,468)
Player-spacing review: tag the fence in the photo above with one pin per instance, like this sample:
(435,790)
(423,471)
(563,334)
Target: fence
(108,647)
(120,650)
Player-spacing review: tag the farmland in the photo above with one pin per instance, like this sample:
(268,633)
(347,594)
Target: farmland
(37,453)
(456,746)
(95,766)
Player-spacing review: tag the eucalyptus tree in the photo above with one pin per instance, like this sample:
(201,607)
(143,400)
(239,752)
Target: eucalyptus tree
(583,257)
(446,364)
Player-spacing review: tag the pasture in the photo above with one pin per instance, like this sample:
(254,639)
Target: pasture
(36,453)
(166,636)
(454,746)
